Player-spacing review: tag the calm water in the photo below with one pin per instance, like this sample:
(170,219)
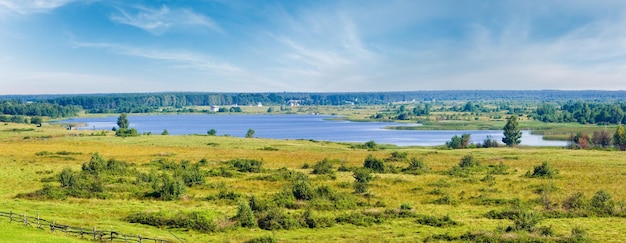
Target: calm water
(296,127)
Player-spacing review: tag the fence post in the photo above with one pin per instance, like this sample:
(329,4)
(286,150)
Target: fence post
(52,226)
(94,233)
(25,220)
(10,216)
(139,236)
(38,222)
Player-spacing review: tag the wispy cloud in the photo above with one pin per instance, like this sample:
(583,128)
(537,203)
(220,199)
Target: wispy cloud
(160,20)
(179,58)
(222,75)
(32,6)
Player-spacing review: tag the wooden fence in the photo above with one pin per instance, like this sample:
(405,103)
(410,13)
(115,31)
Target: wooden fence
(85,233)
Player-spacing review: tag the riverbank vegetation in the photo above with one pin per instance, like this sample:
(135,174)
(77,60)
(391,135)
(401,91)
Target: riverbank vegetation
(203,188)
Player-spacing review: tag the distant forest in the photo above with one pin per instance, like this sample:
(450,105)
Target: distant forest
(552,105)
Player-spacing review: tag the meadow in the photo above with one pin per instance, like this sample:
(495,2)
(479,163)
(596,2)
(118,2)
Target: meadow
(248,189)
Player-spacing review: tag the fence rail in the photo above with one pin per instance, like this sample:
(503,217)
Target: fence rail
(84,232)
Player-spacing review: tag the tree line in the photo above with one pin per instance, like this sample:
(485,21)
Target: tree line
(19,108)
(582,112)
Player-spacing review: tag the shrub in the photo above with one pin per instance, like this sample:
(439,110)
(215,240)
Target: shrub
(406,206)
(247,165)
(360,218)
(468,161)
(576,202)
(302,190)
(276,219)
(416,167)
(434,221)
(543,171)
(324,166)
(362,178)
(374,164)
(445,200)
(313,221)
(370,145)
(245,216)
(196,220)
(602,204)
(525,221)
(397,156)
(67,178)
(167,188)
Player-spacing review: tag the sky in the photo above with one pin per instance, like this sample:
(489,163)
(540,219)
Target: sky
(120,46)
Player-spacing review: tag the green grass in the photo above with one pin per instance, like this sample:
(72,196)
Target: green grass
(25,162)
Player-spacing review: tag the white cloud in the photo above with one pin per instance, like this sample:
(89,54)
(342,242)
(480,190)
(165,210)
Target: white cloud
(32,6)
(160,20)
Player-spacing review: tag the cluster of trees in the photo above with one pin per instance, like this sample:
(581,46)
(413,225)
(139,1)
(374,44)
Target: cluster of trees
(124,130)
(18,108)
(512,137)
(582,112)
(599,139)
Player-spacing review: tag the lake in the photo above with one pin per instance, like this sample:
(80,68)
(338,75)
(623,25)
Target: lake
(316,127)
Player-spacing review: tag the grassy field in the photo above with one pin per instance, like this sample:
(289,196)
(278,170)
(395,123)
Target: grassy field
(396,205)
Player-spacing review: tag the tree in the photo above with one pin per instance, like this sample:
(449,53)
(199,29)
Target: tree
(362,179)
(465,139)
(619,138)
(601,138)
(165,132)
(374,164)
(211,132)
(512,134)
(250,133)
(455,142)
(36,120)
(245,216)
(122,121)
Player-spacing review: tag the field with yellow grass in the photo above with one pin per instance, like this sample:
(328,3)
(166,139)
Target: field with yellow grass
(198,188)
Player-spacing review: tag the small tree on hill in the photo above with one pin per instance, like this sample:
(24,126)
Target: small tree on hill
(250,133)
(122,121)
(362,179)
(211,132)
(374,164)
(512,134)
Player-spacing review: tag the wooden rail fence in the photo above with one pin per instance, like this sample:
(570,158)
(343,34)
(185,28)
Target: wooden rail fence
(85,233)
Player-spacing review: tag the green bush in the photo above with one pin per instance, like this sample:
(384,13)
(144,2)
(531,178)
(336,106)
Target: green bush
(67,177)
(245,216)
(434,221)
(315,221)
(416,167)
(167,188)
(397,156)
(469,161)
(374,164)
(525,221)
(196,220)
(576,202)
(276,219)
(360,218)
(602,204)
(362,178)
(302,190)
(543,171)
(247,165)
(324,166)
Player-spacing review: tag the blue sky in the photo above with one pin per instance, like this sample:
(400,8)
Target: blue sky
(104,46)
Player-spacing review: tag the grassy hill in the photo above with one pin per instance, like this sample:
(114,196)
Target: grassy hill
(195,187)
